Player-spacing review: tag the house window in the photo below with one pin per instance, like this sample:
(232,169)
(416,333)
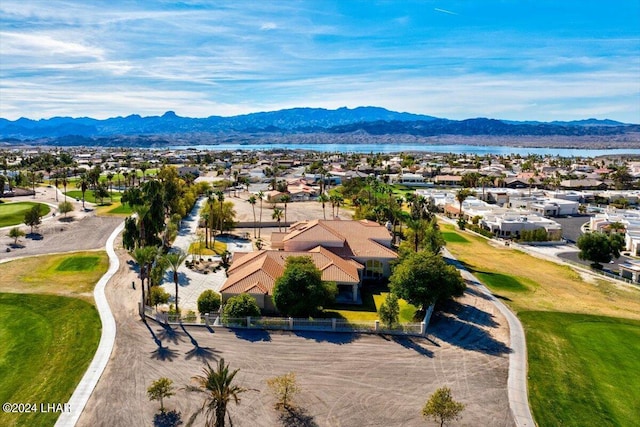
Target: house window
(373,268)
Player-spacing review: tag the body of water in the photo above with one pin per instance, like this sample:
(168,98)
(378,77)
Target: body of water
(398,148)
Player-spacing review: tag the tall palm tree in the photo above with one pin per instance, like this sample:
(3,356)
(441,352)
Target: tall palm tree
(141,212)
(175,260)
(323,198)
(83,184)
(277,215)
(110,180)
(219,390)
(260,197)
(252,201)
(461,196)
(285,199)
(143,256)
(211,200)
(220,195)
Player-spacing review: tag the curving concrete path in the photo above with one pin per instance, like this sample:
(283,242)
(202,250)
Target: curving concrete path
(517,380)
(103,353)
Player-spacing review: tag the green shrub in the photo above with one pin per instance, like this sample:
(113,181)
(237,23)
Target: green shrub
(208,302)
(242,305)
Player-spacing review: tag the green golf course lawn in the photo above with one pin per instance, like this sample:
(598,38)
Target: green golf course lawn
(13,213)
(48,342)
(583,370)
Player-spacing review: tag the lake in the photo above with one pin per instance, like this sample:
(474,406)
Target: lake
(397,148)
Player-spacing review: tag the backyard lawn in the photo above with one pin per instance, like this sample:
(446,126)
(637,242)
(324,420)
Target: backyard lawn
(48,342)
(13,213)
(372,298)
(583,336)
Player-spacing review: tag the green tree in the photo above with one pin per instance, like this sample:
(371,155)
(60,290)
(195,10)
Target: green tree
(238,306)
(83,185)
(65,207)
(219,389)
(277,215)
(285,199)
(424,278)
(160,389)
(130,233)
(15,233)
(158,296)
(208,302)
(390,310)
(174,261)
(261,198)
(600,248)
(462,195)
(323,198)
(300,291)
(441,407)
(144,257)
(252,201)
(32,217)
(283,387)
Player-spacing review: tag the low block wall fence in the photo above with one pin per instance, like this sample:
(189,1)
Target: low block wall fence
(286,323)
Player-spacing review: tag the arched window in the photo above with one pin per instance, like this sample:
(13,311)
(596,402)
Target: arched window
(373,268)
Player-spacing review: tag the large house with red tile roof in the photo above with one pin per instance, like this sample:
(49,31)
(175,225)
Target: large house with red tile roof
(346,252)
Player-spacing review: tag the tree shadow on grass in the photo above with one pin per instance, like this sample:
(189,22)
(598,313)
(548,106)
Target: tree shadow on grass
(201,353)
(297,417)
(252,335)
(330,337)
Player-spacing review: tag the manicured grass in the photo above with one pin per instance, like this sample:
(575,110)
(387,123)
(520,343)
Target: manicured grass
(552,287)
(66,274)
(90,197)
(13,213)
(583,370)
(196,248)
(79,263)
(451,237)
(116,208)
(503,282)
(372,298)
(583,366)
(47,344)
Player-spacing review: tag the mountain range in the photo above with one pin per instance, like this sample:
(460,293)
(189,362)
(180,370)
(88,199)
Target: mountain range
(362,120)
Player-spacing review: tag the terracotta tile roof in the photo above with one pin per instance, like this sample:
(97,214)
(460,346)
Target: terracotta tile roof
(257,272)
(344,238)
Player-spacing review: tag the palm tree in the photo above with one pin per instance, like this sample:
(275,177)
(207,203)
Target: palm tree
(285,199)
(323,199)
(110,179)
(143,256)
(175,260)
(219,390)
(83,184)
(277,215)
(211,199)
(252,201)
(461,196)
(260,197)
(220,195)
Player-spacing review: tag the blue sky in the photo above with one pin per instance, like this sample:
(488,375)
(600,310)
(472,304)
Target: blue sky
(517,60)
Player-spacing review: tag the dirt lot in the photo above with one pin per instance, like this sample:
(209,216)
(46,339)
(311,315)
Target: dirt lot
(346,380)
